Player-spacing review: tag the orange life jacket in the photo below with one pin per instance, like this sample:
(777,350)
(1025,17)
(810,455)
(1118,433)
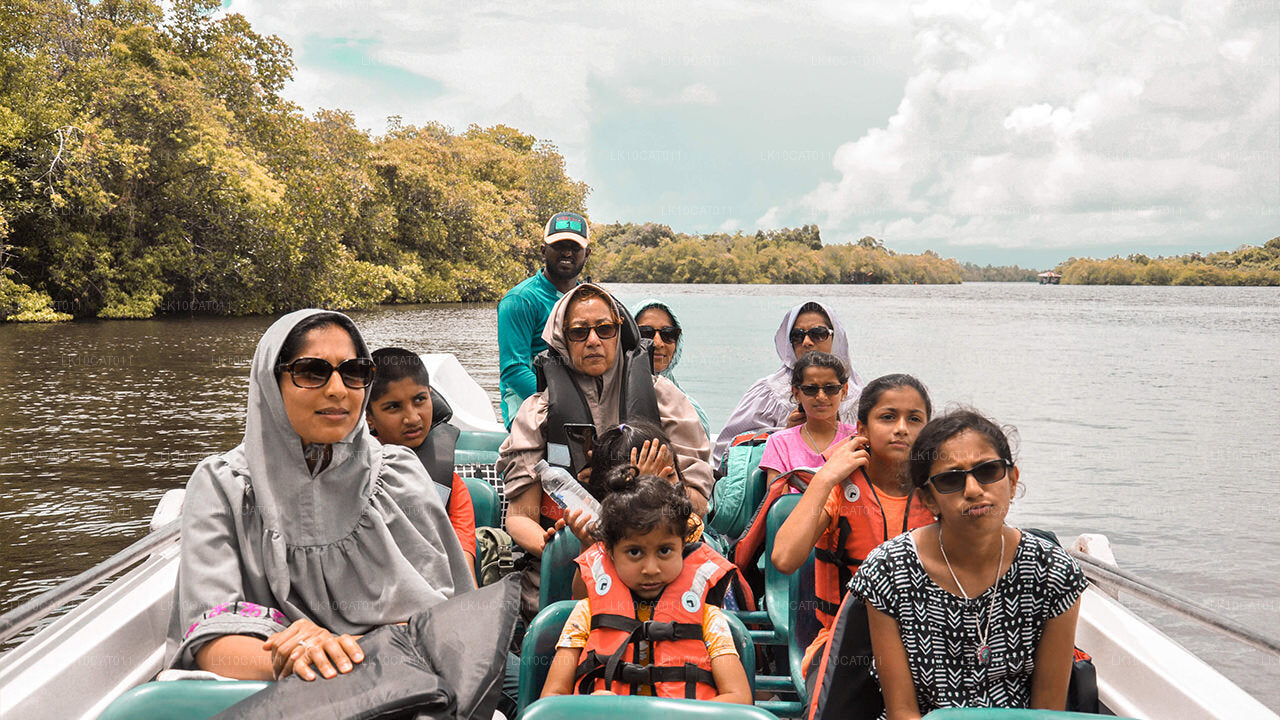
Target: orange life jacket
(859,529)
(679,665)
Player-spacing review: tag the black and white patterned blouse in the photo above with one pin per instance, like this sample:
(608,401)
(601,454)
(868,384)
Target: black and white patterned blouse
(939,630)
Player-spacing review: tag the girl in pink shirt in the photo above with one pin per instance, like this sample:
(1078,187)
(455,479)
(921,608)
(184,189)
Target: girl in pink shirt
(819,383)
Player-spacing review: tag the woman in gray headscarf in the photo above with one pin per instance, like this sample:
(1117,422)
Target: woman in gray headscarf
(310,533)
(597,374)
(768,404)
(658,323)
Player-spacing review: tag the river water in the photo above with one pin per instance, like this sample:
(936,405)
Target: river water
(1148,414)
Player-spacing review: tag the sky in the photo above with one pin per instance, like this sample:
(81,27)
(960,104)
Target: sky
(995,132)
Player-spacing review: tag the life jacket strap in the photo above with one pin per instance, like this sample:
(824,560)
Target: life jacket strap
(637,632)
(595,668)
(651,630)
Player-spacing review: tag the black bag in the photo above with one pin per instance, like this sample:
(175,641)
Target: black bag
(843,686)
(447,662)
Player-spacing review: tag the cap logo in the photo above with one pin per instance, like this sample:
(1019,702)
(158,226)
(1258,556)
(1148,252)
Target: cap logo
(568,224)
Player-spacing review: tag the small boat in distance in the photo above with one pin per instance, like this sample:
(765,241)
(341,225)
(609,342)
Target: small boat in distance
(1049,277)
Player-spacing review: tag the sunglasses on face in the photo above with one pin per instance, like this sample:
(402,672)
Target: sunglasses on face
(818,333)
(310,373)
(812,390)
(604,331)
(985,473)
(669,334)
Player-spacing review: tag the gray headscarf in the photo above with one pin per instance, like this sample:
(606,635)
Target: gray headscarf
(362,541)
(527,442)
(603,393)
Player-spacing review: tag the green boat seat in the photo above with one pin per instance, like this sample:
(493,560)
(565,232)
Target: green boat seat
(484,498)
(477,446)
(575,707)
(781,600)
(556,574)
(539,648)
(180,699)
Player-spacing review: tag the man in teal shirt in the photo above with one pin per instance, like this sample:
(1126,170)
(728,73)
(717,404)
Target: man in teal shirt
(523,311)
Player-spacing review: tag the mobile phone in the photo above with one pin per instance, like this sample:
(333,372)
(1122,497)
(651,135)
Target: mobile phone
(582,440)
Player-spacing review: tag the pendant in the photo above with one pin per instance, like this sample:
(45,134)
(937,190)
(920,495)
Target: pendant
(984,655)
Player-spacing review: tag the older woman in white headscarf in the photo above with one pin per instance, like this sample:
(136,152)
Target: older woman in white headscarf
(768,404)
(309,533)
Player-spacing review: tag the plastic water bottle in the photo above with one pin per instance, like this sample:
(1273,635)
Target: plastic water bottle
(566,491)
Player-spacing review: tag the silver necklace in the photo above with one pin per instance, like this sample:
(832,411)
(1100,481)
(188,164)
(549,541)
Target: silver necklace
(814,443)
(984,649)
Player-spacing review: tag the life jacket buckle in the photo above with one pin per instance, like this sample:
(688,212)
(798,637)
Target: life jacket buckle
(633,674)
(658,631)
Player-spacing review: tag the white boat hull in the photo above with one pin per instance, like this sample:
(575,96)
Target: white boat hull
(111,642)
(1143,673)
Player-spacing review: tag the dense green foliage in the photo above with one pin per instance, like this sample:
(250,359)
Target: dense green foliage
(653,253)
(1247,265)
(997,273)
(148,164)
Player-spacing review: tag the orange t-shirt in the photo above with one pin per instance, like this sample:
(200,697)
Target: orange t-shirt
(462,515)
(894,508)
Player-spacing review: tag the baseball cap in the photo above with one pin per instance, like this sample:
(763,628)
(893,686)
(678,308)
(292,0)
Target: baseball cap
(567,226)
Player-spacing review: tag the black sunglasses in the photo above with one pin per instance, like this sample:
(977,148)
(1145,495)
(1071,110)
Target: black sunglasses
(817,333)
(604,331)
(812,390)
(669,334)
(985,473)
(311,373)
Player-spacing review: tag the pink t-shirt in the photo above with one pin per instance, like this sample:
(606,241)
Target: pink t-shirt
(786,450)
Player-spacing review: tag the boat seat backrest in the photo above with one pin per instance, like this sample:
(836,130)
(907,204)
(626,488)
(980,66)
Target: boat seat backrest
(180,699)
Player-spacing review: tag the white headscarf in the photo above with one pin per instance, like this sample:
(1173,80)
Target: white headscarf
(768,402)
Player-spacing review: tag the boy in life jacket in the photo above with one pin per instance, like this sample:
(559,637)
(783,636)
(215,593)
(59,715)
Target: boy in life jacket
(404,410)
(647,626)
(859,498)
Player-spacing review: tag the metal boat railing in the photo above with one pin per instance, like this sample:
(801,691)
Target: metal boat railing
(30,612)
(1110,575)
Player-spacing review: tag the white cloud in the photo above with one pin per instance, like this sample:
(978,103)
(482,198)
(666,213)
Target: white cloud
(1052,124)
(770,218)
(698,94)
(1021,123)
(534,65)
(695,94)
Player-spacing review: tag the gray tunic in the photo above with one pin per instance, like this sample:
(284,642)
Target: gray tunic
(363,542)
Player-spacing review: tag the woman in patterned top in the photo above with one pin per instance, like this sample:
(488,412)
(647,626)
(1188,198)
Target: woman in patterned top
(969,612)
